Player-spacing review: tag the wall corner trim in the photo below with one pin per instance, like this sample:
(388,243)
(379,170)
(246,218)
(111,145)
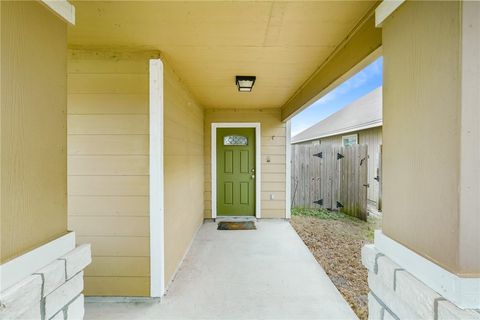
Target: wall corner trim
(64,9)
(15,270)
(463,292)
(288,171)
(157,210)
(385,9)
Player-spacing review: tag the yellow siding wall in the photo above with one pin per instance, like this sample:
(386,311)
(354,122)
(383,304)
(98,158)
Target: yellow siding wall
(33,127)
(108,167)
(273,132)
(421,112)
(183,169)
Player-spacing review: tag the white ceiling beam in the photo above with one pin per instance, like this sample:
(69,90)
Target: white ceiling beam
(62,8)
(385,9)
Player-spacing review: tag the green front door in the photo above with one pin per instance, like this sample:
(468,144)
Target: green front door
(235,171)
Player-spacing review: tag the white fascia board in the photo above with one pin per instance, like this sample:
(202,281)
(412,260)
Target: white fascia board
(62,8)
(15,270)
(463,292)
(385,9)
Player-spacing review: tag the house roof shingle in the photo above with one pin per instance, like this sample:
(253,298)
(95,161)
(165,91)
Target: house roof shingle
(363,113)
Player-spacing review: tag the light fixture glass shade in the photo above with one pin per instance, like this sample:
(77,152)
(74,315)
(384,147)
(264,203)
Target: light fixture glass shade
(245,83)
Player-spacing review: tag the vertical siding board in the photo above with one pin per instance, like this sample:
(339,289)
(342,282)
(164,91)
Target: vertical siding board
(118,130)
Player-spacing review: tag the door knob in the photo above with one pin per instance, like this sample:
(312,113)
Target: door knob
(253,176)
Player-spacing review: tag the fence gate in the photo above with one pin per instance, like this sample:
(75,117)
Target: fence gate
(330,177)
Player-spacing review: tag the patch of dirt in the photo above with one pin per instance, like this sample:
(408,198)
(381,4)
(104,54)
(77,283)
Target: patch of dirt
(337,244)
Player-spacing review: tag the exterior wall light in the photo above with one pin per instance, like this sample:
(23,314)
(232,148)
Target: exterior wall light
(245,83)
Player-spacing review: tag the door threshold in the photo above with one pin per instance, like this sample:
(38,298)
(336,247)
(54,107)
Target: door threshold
(235,218)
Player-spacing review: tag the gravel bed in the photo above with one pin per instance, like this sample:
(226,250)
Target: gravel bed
(336,243)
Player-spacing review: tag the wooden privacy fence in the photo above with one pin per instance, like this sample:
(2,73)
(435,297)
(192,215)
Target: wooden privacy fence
(331,177)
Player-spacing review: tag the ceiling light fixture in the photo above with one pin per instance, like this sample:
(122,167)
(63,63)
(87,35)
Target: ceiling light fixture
(245,83)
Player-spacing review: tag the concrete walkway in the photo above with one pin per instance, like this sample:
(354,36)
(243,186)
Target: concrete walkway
(261,274)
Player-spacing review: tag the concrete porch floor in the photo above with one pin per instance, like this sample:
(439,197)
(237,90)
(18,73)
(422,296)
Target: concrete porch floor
(266,273)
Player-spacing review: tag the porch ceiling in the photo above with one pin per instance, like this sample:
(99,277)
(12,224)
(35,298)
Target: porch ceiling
(208,43)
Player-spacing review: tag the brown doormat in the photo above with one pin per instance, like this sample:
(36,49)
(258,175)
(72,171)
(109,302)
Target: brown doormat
(241,225)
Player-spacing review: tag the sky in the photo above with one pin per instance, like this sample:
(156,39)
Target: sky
(357,86)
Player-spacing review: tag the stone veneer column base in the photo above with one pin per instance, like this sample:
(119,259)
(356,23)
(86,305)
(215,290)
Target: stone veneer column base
(53,292)
(397,294)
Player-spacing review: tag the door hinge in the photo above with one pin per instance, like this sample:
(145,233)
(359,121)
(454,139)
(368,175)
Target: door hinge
(367,185)
(319,202)
(340,156)
(320,155)
(339,205)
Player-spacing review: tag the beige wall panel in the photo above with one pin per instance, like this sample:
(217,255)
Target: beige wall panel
(108,166)
(110,226)
(268,150)
(272,213)
(116,286)
(108,185)
(273,177)
(33,127)
(117,246)
(277,195)
(108,205)
(271,168)
(421,129)
(95,144)
(181,146)
(106,65)
(108,83)
(108,124)
(108,103)
(273,186)
(276,141)
(119,267)
(270,131)
(273,157)
(183,168)
(273,204)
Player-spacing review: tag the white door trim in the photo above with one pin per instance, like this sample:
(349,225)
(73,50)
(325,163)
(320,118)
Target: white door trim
(157,241)
(258,162)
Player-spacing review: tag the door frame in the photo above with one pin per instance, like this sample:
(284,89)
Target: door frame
(258,162)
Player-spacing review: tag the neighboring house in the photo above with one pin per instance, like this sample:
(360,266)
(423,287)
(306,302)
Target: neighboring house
(358,123)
